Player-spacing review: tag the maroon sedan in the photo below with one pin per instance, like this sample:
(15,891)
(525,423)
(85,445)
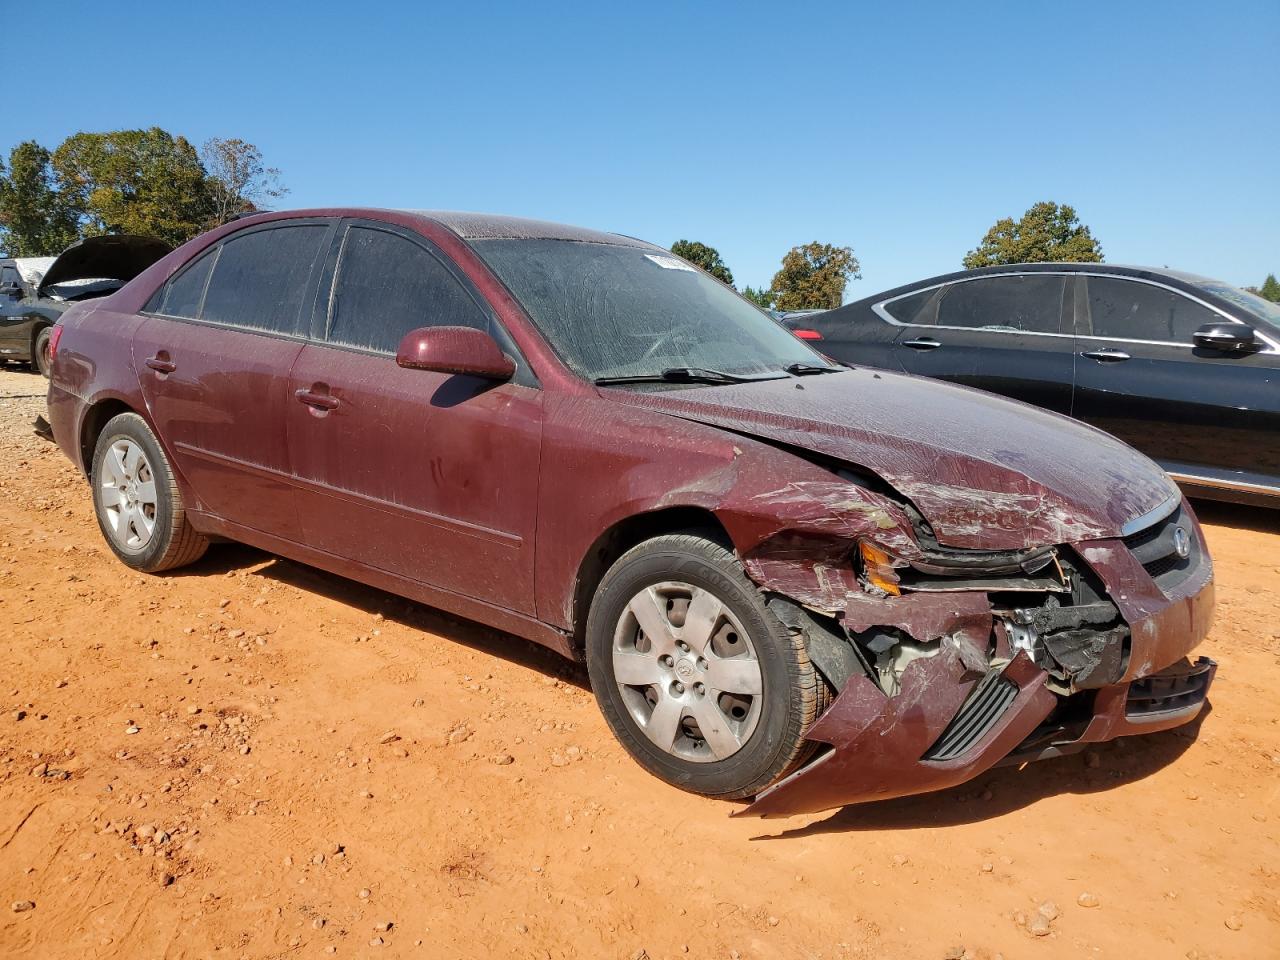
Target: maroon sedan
(789,580)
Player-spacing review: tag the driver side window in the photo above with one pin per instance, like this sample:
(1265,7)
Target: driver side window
(1132,310)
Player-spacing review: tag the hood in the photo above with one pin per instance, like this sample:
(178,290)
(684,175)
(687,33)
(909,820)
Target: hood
(986,472)
(109,257)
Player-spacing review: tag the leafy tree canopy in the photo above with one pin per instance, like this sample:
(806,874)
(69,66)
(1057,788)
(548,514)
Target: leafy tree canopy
(238,180)
(1270,289)
(35,219)
(708,258)
(146,182)
(1046,232)
(761,298)
(813,277)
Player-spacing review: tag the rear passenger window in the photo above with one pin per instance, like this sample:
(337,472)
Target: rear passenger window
(1131,310)
(915,308)
(1028,303)
(387,285)
(260,278)
(184,292)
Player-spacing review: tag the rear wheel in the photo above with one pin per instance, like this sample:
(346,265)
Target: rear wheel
(41,353)
(696,677)
(137,501)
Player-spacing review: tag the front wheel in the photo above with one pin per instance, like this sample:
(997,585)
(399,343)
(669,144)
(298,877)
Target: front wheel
(701,684)
(137,501)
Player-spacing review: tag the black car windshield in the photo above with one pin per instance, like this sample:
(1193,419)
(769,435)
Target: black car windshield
(611,311)
(1260,307)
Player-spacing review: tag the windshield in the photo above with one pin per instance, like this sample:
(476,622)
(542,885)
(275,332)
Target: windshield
(1256,305)
(619,311)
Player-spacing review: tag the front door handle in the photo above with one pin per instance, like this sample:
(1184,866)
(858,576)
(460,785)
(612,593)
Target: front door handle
(321,401)
(922,343)
(1106,355)
(161,363)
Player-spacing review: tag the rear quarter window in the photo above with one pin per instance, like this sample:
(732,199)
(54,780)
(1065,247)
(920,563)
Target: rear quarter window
(181,296)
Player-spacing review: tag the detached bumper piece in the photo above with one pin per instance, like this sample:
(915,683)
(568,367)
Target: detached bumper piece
(940,730)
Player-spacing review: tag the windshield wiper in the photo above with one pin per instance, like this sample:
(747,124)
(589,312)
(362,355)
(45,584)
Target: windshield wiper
(801,369)
(684,375)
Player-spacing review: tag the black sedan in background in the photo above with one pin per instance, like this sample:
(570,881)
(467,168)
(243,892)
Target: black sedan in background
(1184,368)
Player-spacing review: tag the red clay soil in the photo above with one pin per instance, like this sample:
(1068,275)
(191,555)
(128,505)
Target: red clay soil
(254,759)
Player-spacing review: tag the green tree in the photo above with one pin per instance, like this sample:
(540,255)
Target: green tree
(1270,289)
(35,219)
(708,258)
(813,277)
(762,298)
(1046,232)
(135,181)
(238,181)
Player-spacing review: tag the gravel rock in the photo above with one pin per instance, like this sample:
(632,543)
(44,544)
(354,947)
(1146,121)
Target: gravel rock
(1049,910)
(22,906)
(1233,922)
(1039,927)
(1088,900)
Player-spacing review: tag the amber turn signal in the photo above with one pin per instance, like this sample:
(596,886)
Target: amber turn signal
(879,569)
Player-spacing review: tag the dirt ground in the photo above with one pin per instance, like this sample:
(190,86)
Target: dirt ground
(254,759)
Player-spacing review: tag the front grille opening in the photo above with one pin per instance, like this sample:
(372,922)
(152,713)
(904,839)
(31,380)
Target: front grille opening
(985,705)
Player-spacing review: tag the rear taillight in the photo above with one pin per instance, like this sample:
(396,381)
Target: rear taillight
(54,336)
(807,334)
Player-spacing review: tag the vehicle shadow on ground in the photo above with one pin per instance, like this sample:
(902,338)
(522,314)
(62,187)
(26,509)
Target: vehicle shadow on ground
(1238,516)
(1122,761)
(226,558)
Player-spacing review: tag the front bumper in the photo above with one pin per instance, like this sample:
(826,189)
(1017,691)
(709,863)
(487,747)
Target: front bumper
(952,720)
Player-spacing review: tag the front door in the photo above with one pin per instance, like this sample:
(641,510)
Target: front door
(1200,413)
(213,358)
(426,475)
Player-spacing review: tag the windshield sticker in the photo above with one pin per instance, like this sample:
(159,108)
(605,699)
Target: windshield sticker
(669,263)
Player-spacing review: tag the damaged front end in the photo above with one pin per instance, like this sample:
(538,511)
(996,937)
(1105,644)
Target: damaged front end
(948,662)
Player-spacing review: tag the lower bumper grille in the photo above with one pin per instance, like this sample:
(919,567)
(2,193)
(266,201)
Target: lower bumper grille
(985,705)
(1181,687)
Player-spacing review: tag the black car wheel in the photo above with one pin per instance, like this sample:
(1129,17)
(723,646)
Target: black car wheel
(41,354)
(699,681)
(137,502)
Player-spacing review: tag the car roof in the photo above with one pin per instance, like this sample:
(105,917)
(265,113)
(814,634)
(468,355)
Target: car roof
(1176,278)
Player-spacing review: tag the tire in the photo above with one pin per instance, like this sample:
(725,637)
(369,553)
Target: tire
(137,502)
(41,361)
(752,739)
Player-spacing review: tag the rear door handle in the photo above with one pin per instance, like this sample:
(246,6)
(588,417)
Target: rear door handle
(1106,355)
(161,363)
(922,343)
(321,401)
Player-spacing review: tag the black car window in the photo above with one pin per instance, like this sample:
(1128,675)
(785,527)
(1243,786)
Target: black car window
(182,295)
(1029,303)
(917,309)
(260,277)
(1132,310)
(9,275)
(387,285)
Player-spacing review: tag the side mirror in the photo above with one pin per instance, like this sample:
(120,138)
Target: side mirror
(461,350)
(12,290)
(1225,336)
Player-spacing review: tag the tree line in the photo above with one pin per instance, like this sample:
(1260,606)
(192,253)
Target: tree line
(814,276)
(146,182)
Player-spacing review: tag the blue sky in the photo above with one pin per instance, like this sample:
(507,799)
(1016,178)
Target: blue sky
(901,129)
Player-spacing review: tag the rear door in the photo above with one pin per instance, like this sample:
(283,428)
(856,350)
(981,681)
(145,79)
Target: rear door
(1002,333)
(426,475)
(213,357)
(1200,413)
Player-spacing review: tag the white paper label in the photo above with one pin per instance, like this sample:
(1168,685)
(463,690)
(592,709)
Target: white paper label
(669,263)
